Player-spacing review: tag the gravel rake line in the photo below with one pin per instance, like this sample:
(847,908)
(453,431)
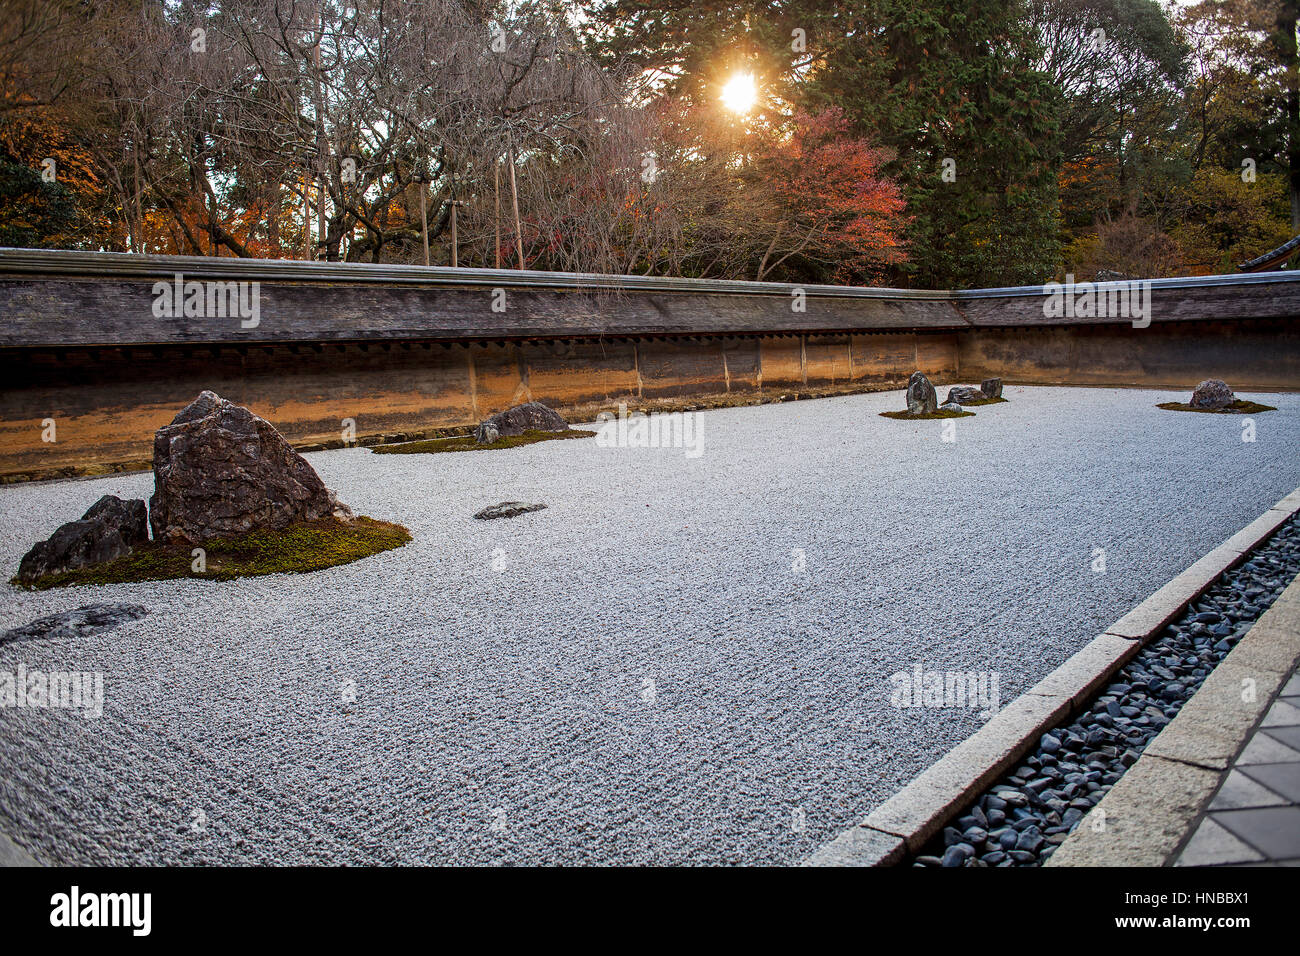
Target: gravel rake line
(772,686)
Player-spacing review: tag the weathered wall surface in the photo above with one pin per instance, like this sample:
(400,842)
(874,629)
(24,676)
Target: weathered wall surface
(107,403)
(1246,353)
(403,350)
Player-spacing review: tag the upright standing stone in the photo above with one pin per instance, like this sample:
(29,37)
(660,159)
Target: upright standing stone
(921,397)
(991,387)
(221,470)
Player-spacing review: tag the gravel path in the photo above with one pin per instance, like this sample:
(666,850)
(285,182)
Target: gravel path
(637,674)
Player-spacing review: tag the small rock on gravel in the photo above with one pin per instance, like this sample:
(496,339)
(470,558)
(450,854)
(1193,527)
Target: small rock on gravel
(964,395)
(507,509)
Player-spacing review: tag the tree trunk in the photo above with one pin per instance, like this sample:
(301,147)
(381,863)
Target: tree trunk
(514,202)
(1286,42)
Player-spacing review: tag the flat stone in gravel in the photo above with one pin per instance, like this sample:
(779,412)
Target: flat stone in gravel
(80,622)
(507,509)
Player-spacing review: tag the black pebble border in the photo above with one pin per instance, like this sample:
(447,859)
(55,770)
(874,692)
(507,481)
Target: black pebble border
(1028,813)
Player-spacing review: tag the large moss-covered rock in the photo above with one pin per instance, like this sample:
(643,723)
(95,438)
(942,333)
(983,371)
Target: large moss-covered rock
(220,470)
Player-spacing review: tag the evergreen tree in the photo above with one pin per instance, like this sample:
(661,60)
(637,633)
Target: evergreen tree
(950,87)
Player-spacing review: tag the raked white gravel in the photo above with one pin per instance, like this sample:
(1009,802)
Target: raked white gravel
(680,660)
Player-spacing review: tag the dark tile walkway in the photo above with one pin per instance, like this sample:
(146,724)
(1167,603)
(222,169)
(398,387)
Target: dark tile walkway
(1254,819)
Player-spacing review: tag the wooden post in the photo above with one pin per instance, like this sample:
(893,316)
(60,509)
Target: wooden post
(424,220)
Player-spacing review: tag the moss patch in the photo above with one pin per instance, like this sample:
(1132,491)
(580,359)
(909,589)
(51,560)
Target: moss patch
(931,416)
(985,401)
(1239,407)
(306,546)
(435,445)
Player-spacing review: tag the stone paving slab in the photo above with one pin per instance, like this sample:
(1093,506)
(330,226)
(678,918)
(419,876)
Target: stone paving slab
(1240,791)
(1279,780)
(1214,845)
(1276,830)
(1210,727)
(1282,714)
(1143,817)
(1151,616)
(1274,646)
(1249,537)
(860,846)
(1265,750)
(1089,670)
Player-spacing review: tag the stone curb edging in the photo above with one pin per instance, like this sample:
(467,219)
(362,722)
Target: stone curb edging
(907,820)
(1145,817)
(11,854)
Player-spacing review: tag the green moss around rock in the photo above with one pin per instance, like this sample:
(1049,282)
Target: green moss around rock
(435,446)
(986,401)
(299,548)
(931,416)
(1239,407)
